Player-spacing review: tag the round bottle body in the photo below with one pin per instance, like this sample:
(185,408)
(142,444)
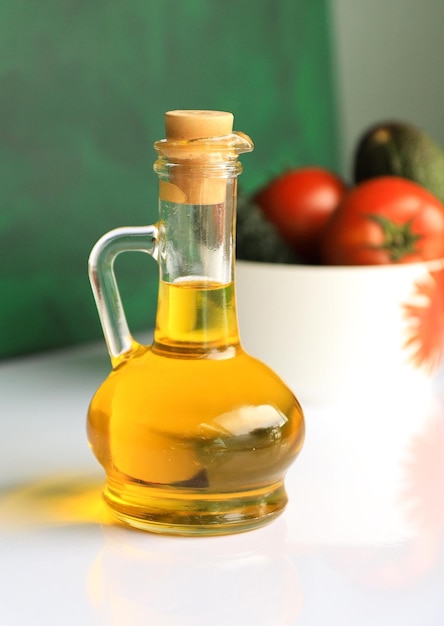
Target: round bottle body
(195,445)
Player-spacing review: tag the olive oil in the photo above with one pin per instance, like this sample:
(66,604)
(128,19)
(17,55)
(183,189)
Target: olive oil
(196,314)
(194,433)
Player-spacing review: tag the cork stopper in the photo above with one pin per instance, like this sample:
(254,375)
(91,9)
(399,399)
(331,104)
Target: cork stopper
(182,126)
(195,124)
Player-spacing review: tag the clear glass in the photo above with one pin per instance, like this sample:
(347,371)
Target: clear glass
(195,435)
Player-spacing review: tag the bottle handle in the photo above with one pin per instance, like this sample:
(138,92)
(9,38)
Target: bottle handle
(119,341)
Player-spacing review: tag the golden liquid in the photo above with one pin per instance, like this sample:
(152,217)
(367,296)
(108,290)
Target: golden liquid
(196,315)
(195,435)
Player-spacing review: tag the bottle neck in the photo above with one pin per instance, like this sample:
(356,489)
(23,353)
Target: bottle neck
(196,311)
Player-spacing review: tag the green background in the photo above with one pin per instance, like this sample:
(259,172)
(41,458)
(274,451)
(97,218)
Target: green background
(83,89)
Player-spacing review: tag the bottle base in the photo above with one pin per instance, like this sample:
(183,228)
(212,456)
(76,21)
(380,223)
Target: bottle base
(190,513)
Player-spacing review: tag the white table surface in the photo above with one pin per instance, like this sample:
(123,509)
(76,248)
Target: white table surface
(360,543)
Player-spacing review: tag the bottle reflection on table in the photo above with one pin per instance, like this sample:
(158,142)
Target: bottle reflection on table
(249,578)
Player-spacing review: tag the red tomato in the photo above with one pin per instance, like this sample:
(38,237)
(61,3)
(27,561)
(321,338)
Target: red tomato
(385,220)
(299,203)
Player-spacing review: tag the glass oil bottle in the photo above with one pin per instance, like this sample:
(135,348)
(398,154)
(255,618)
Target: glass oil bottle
(195,435)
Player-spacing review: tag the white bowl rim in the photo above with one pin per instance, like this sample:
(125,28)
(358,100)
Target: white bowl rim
(293,268)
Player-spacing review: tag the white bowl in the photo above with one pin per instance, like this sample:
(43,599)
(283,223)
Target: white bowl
(342,335)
